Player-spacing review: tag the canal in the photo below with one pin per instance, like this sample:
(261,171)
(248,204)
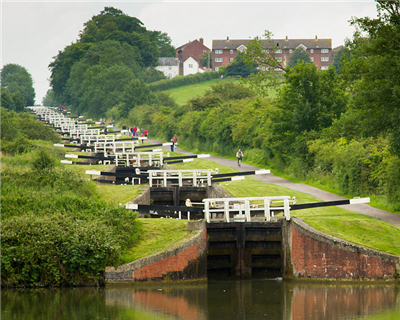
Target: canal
(246,299)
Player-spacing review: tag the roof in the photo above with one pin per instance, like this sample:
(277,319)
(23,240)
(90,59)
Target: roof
(280,43)
(168,61)
(189,43)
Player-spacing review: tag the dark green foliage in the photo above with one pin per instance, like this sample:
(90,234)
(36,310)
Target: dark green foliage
(299,55)
(373,73)
(9,127)
(17,79)
(151,75)
(113,49)
(239,68)
(43,160)
(18,146)
(34,129)
(55,230)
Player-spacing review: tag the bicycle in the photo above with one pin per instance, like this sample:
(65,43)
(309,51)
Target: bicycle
(239,162)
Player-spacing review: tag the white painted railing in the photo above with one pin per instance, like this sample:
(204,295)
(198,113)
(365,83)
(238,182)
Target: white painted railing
(164,178)
(240,209)
(137,158)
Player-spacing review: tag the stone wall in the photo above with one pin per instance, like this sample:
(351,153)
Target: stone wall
(188,261)
(317,255)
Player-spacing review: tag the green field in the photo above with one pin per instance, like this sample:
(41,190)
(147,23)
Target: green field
(183,94)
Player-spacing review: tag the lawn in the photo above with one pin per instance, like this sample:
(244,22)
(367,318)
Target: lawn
(183,94)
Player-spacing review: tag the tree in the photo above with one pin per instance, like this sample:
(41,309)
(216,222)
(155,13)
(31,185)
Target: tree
(16,78)
(261,52)
(337,63)
(206,60)
(49,99)
(371,69)
(299,55)
(240,68)
(309,101)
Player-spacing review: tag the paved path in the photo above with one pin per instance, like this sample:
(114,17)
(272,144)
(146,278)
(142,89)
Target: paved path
(383,215)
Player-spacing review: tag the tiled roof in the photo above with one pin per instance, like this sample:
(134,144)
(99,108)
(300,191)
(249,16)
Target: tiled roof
(168,61)
(280,43)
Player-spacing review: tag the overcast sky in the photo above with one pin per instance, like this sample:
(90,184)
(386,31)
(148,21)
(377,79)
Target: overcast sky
(33,32)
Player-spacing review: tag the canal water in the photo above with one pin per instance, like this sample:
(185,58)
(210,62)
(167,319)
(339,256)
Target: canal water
(250,300)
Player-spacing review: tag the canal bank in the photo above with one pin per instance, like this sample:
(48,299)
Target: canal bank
(243,250)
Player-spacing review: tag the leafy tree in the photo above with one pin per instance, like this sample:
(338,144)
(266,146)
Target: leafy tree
(337,63)
(49,99)
(262,53)
(240,68)
(164,44)
(16,78)
(206,60)
(371,68)
(136,92)
(61,67)
(309,101)
(299,55)
(7,100)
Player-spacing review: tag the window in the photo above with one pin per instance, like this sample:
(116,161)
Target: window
(290,50)
(311,50)
(324,68)
(324,58)
(218,59)
(279,59)
(231,59)
(218,51)
(324,50)
(312,58)
(231,51)
(216,68)
(279,51)
(190,66)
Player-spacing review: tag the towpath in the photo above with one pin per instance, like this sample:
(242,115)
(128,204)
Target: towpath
(383,215)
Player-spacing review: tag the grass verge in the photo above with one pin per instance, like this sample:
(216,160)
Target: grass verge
(158,235)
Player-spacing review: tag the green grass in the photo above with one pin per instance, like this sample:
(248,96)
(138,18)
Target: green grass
(183,94)
(158,235)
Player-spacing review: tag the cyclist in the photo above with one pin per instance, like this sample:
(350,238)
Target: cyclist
(239,156)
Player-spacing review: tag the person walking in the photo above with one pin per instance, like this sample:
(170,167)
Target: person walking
(175,141)
(239,156)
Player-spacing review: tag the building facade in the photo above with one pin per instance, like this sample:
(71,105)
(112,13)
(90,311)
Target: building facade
(320,50)
(194,49)
(168,66)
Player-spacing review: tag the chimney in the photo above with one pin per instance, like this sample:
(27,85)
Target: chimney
(201,40)
(316,39)
(286,38)
(227,38)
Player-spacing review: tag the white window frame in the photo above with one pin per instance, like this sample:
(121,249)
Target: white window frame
(312,59)
(218,51)
(231,52)
(311,50)
(216,68)
(325,59)
(324,68)
(324,50)
(231,59)
(290,50)
(219,60)
(278,51)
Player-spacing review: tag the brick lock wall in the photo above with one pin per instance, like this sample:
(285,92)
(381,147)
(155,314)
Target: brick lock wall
(188,261)
(316,255)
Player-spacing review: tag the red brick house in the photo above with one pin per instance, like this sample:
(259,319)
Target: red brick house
(194,49)
(320,50)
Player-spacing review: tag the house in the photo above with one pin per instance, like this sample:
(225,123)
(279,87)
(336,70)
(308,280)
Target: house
(320,50)
(191,66)
(168,66)
(194,49)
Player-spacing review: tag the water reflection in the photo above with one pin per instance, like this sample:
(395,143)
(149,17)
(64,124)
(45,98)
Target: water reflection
(252,299)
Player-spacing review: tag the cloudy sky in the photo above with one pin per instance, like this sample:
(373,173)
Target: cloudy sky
(33,32)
